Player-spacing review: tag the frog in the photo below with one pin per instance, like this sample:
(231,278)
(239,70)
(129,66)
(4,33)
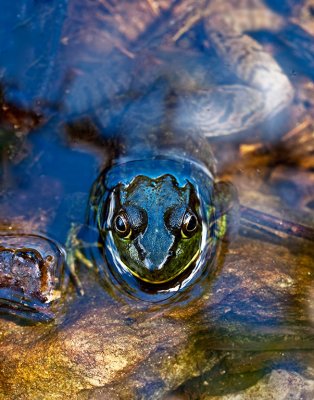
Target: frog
(161,149)
(154,214)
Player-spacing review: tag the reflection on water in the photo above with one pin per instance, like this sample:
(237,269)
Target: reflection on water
(130,116)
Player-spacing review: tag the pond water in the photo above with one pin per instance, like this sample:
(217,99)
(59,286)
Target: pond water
(128,267)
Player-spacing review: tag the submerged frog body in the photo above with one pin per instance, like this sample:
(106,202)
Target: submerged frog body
(157,209)
(161,177)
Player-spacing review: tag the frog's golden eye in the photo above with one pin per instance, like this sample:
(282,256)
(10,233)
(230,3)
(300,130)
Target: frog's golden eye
(189,224)
(122,225)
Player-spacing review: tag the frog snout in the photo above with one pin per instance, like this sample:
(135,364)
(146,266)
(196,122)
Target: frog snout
(155,261)
(149,264)
(156,267)
(155,250)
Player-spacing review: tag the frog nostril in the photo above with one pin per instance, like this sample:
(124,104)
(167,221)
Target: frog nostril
(142,253)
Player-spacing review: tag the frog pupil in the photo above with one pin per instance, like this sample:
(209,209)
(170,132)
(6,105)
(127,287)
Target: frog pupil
(191,223)
(120,224)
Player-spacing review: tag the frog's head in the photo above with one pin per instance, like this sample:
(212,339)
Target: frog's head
(156,227)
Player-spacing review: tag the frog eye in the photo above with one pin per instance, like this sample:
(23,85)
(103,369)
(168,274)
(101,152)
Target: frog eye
(122,226)
(189,224)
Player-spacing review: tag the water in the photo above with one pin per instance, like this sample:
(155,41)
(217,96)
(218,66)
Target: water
(73,78)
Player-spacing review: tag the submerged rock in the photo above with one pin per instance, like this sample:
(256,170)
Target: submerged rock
(277,385)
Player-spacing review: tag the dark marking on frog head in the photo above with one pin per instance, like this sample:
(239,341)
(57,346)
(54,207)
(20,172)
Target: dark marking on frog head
(156,227)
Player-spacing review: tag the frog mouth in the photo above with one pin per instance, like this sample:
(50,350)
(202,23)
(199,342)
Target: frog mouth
(161,281)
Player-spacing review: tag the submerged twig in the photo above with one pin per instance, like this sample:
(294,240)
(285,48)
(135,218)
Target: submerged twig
(274,225)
